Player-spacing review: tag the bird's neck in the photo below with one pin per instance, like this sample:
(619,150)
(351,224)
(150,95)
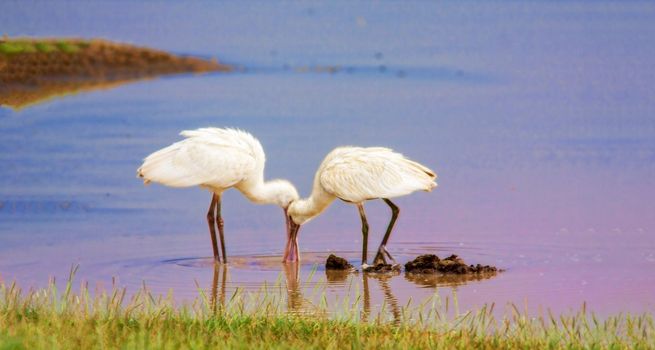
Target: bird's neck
(259,191)
(315,204)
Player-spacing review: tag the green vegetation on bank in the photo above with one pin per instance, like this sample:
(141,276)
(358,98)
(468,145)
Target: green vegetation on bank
(52,319)
(12,47)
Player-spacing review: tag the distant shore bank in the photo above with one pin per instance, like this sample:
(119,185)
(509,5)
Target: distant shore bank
(32,69)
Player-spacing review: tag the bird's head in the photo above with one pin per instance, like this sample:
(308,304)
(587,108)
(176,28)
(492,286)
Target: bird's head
(295,218)
(282,193)
(297,213)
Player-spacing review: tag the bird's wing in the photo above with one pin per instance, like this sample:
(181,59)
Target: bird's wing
(214,157)
(358,174)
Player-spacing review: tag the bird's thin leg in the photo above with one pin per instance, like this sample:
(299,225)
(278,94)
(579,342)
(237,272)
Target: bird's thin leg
(382,250)
(292,253)
(295,242)
(219,224)
(360,206)
(212,230)
(288,246)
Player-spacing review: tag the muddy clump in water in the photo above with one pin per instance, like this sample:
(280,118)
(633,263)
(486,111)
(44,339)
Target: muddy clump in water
(382,268)
(430,263)
(337,263)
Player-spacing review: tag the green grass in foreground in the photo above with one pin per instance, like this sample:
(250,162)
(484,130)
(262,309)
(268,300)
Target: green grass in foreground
(50,319)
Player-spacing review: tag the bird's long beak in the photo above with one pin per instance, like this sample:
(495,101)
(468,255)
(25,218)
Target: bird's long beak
(291,251)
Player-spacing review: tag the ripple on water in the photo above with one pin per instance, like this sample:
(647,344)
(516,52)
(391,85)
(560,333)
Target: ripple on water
(573,272)
(252,262)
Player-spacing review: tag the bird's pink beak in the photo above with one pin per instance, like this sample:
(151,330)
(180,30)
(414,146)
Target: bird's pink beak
(291,252)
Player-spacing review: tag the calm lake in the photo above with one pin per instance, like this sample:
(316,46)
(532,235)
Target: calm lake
(538,117)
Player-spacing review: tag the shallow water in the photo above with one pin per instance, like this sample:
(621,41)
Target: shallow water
(537,117)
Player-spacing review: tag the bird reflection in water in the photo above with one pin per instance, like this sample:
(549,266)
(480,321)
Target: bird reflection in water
(295,299)
(217,299)
(298,303)
(338,277)
(389,298)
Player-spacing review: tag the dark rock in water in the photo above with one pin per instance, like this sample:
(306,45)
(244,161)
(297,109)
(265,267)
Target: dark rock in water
(426,262)
(453,264)
(382,268)
(337,263)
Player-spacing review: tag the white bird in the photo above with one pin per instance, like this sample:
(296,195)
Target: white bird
(355,175)
(218,159)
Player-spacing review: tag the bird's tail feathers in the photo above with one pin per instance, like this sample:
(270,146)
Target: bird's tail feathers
(423,174)
(159,167)
(140,174)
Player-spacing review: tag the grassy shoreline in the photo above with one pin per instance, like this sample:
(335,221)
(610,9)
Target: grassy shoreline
(28,60)
(34,70)
(53,319)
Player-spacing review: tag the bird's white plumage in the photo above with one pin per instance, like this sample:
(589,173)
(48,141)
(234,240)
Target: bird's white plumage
(217,159)
(356,174)
(208,157)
